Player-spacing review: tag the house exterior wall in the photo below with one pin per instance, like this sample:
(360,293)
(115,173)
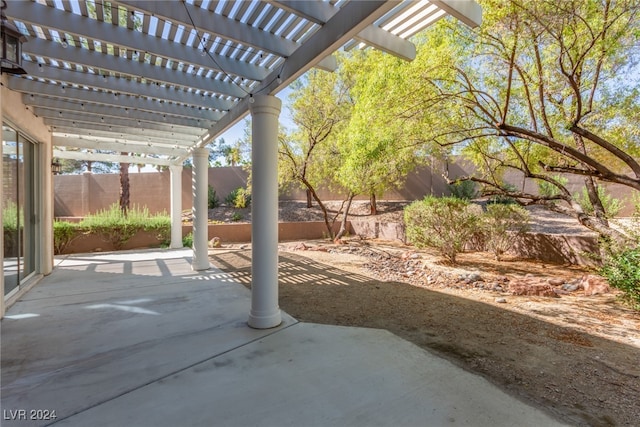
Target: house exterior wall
(20,117)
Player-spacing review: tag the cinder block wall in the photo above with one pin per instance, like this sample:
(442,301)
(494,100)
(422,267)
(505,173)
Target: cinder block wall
(80,195)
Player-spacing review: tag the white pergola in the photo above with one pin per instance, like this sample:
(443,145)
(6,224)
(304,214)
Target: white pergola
(162,79)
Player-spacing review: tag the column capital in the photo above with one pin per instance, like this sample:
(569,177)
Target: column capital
(200,152)
(175,168)
(265,104)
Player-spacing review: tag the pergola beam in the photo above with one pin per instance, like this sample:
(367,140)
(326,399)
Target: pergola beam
(115,85)
(208,22)
(336,32)
(109,130)
(387,42)
(114,158)
(116,145)
(467,11)
(86,100)
(108,63)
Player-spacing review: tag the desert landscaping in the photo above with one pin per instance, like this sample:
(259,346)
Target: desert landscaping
(554,335)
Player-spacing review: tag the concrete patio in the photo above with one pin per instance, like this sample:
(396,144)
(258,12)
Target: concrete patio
(139,339)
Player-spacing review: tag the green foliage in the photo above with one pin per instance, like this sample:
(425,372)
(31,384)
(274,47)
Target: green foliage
(239,198)
(212,198)
(187,241)
(502,198)
(502,224)
(611,205)
(237,216)
(465,190)
(10,216)
(117,228)
(64,233)
(445,223)
(547,189)
(622,270)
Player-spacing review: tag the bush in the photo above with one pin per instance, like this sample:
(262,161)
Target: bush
(187,241)
(503,199)
(622,269)
(64,233)
(443,223)
(239,198)
(117,228)
(611,205)
(502,225)
(212,198)
(465,190)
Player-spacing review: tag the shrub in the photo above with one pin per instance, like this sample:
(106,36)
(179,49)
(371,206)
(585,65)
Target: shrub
(443,223)
(239,198)
(611,205)
(622,269)
(64,233)
(463,190)
(212,198)
(113,226)
(502,198)
(237,216)
(187,241)
(502,225)
(10,216)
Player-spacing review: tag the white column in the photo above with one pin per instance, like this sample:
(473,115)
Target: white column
(176,206)
(200,209)
(45,244)
(265,312)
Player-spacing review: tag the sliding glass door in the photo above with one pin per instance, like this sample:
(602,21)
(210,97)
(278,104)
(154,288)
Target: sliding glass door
(18,207)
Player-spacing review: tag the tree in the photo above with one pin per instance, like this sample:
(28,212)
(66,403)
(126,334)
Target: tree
(376,157)
(540,89)
(309,157)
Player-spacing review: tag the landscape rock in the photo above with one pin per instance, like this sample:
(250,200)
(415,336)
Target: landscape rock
(556,281)
(300,247)
(594,285)
(532,289)
(501,300)
(570,287)
(216,242)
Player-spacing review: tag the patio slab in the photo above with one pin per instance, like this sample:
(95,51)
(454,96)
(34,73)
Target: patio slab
(138,339)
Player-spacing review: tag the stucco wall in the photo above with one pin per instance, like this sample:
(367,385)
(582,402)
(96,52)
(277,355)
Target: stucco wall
(79,195)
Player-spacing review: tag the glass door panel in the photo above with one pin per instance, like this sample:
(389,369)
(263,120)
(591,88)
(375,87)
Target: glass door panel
(11,214)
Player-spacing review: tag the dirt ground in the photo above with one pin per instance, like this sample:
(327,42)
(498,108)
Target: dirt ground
(576,356)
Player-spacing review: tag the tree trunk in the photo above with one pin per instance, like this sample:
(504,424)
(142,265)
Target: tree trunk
(372,204)
(594,198)
(325,214)
(309,199)
(89,166)
(343,223)
(125,202)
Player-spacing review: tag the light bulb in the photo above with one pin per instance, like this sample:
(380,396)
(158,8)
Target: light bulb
(251,99)
(64,43)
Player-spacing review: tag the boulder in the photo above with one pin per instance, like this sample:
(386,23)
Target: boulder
(216,242)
